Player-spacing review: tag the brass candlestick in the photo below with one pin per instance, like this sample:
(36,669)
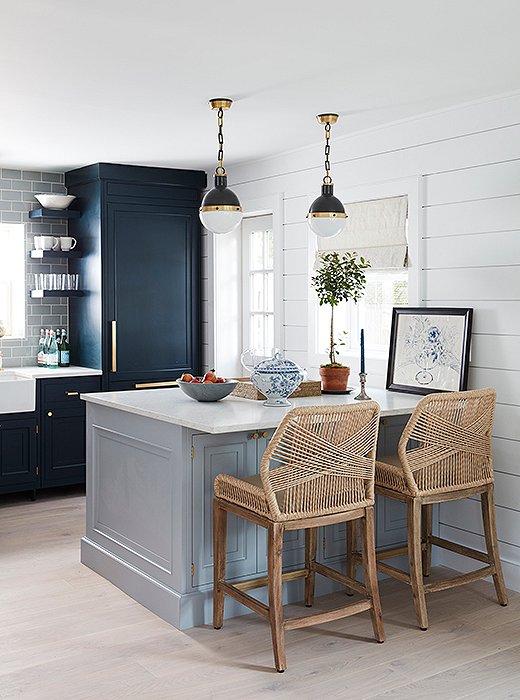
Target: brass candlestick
(362,396)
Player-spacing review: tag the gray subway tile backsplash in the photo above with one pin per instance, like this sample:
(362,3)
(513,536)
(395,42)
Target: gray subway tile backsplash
(17,190)
(12,174)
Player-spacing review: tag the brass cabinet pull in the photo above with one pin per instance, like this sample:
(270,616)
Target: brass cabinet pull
(253,436)
(72,393)
(49,413)
(114,346)
(151,385)
(265,434)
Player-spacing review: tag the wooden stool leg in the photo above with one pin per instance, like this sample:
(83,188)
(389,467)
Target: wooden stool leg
(368,548)
(274,574)
(219,562)
(310,558)
(490,532)
(427,538)
(352,545)
(415,562)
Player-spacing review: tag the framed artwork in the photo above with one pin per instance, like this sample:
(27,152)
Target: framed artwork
(429,350)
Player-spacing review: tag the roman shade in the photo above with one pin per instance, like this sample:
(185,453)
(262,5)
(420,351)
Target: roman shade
(375,230)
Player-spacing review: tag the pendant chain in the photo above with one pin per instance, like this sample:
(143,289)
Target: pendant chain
(327,180)
(220,168)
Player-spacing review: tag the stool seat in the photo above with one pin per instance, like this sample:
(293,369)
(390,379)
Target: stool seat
(249,492)
(389,474)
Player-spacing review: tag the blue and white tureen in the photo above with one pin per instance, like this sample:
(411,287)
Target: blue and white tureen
(277,378)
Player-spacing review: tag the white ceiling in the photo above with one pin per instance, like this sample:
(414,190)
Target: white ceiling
(128,80)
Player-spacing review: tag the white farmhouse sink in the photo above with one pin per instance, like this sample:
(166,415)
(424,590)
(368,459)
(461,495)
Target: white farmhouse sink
(17,392)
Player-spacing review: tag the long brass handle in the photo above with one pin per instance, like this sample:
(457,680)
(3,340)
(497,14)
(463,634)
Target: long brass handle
(72,393)
(114,346)
(151,385)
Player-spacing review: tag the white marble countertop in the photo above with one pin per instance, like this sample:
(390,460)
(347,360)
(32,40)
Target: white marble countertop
(232,414)
(46,373)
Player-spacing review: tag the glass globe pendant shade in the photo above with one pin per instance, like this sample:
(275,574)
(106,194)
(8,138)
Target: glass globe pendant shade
(326,215)
(220,211)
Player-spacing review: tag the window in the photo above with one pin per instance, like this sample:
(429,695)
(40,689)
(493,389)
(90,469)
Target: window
(258,284)
(378,232)
(12,280)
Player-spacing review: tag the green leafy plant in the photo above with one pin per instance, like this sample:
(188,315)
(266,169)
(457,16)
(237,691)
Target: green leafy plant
(339,278)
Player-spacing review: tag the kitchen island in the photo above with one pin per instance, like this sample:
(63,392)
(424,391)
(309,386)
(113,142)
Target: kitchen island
(152,457)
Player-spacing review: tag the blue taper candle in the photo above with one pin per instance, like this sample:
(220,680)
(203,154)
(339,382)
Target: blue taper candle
(362,351)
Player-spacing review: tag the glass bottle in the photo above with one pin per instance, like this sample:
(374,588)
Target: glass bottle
(46,347)
(40,359)
(52,352)
(64,349)
(58,342)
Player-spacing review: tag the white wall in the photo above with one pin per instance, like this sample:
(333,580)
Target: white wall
(467,163)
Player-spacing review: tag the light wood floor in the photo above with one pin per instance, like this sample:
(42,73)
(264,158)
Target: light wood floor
(67,634)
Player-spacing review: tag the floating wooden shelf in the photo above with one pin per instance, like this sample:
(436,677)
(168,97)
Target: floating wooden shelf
(40,293)
(54,213)
(39,254)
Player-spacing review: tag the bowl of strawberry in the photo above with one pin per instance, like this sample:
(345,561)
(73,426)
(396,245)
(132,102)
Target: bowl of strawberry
(210,387)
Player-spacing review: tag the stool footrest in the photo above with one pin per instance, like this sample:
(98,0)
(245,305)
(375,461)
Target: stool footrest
(338,577)
(264,580)
(320,618)
(460,549)
(244,598)
(393,572)
(459,580)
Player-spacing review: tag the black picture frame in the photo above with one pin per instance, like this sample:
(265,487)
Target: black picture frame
(434,354)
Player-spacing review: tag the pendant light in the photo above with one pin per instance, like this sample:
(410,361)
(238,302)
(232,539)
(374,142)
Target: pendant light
(220,211)
(326,215)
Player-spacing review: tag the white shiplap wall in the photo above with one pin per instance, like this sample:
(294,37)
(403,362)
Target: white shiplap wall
(468,162)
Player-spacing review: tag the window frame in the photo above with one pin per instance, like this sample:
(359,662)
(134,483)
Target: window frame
(412,187)
(247,273)
(251,206)
(18,325)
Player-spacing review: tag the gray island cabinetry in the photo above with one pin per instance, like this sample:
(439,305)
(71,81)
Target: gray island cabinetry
(152,457)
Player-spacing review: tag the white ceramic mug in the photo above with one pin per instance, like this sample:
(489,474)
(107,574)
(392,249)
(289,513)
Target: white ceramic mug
(67,243)
(46,242)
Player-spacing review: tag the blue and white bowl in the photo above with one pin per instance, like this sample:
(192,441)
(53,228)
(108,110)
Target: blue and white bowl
(277,378)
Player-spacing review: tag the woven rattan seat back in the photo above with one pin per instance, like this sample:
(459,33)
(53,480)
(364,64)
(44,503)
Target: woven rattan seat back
(453,431)
(321,460)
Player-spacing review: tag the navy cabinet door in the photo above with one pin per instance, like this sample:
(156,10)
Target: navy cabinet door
(63,446)
(18,455)
(152,282)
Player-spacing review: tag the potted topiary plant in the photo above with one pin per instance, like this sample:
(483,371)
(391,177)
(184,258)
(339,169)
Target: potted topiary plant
(338,278)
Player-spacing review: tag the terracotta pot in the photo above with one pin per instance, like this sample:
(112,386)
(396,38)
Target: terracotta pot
(334,378)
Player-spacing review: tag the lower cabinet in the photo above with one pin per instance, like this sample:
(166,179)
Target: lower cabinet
(63,446)
(63,429)
(47,447)
(18,453)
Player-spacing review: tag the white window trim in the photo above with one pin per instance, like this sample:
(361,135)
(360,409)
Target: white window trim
(412,187)
(269,204)
(22,325)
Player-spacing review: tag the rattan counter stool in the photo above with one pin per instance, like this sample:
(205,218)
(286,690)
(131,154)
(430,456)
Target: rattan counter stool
(453,460)
(318,469)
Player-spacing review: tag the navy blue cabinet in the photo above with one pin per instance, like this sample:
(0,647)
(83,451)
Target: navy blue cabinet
(139,234)
(62,429)
(18,453)
(46,448)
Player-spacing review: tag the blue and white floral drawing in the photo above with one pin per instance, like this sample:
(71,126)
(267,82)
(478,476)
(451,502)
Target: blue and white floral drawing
(429,350)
